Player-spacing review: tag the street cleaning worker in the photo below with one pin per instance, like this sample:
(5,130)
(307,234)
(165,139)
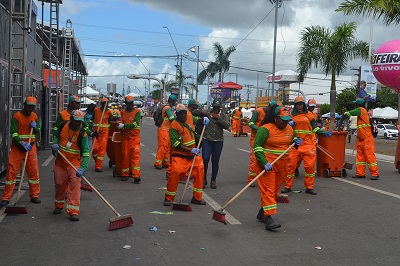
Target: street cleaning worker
(21,124)
(183,153)
(365,142)
(271,140)
(71,140)
(130,146)
(254,123)
(304,127)
(237,115)
(101,127)
(163,151)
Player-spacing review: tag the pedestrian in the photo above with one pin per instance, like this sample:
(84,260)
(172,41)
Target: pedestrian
(102,128)
(365,145)
(182,155)
(88,119)
(362,93)
(237,115)
(21,124)
(352,127)
(130,131)
(164,144)
(271,140)
(213,141)
(72,141)
(304,127)
(255,122)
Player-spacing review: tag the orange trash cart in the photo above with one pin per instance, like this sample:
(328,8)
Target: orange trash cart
(117,140)
(244,128)
(336,145)
(110,145)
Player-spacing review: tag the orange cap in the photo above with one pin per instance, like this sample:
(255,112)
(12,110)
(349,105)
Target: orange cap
(312,102)
(299,99)
(129,98)
(104,99)
(180,107)
(31,100)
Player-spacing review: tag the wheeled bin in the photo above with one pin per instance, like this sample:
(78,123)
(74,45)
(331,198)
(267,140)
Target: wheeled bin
(336,145)
(244,128)
(110,145)
(117,142)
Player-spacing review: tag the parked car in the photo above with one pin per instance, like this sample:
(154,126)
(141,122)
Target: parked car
(387,131)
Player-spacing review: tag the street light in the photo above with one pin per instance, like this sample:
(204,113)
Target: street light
(134,76)
(193,50)
(278,3)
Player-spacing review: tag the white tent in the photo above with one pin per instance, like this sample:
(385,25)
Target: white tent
(284,76)
(385,113)
(337,116)
(88,91)
(133,94)
(87,101)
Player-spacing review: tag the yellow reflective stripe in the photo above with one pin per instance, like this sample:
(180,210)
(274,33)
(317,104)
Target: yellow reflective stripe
(101,125)
(258,149)
(158,161)
(316,129)
(100,158)
(189,143)
(135,124)
(290,176)
(72,151)
(14,135)
(34,182)
(176,143)
(373,164)
(361,163)
(251,123)
(59,201)
(236,117)
(363,125)
(72,207)
(309,175)
(275,151)
(171,193)
(136,168)
(55,128)
(269,207)
(199,190)
(125,170)
(86,154)
(165,118)
(301,131)
(171,117)
(11,182)
(251,174)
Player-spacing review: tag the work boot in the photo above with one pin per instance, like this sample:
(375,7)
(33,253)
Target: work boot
(270,224)
(198,202)
(158,167)
(36,200)
(204,183)
(310,191)
(96,170)
(136,180)
(57,211)
(167,203)
(165,166)
(286,190)
(296,172)
(74,218)
(213,184)
(260,215)
(375,177)
(358,176)
(4,203)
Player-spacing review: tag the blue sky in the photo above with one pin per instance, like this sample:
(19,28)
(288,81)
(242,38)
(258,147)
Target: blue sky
(135,27)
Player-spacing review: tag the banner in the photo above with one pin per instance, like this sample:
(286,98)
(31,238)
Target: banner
(370,89)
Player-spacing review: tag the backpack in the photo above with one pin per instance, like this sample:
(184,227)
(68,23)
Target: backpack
(157,116)
(80,135)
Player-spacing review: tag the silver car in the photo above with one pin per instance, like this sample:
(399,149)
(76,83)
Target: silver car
(387,131)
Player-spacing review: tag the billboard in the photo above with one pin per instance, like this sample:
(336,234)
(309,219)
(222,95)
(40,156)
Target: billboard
(369,92)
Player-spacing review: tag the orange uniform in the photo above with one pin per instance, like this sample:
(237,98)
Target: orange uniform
(236,116)
(164,143)
(102,127)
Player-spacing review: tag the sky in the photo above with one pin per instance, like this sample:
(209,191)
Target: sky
(121,37)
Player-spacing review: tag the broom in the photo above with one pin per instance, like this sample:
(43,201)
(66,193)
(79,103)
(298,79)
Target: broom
(185,206)
(349,165)
(15,208)
(220,215)
(328,153)
(282,198)
(118,222)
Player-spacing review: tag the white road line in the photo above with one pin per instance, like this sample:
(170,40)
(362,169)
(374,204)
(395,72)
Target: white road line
(153,154)
(367,187)
(46,163)
(243,150)
(12,201)
(141,144)
(229,218)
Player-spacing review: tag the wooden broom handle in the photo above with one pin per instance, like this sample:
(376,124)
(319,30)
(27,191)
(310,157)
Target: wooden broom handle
(87,181)
(98,128)
(257,177)
(330,155)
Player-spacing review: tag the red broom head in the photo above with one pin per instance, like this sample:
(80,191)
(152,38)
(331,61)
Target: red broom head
(219,216)
(181,207)
(120,222)
(16,210)
(282,198)
(86,187)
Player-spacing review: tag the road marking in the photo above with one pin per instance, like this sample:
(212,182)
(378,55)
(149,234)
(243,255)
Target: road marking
(243,150)
(367,187)
(229,218)
(12,201)
(46,163)
(153,154)
(141,144)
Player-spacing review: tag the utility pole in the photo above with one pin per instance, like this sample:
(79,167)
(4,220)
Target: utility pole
(278,3)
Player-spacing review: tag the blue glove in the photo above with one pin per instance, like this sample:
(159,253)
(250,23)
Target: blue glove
(298,141)
(268,167)
(291,123)
(80,172)
(206,120)
(54,149)
(33,125)
(196,151)
(27,146)
(328,134)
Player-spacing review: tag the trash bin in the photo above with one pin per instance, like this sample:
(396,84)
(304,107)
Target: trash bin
(110,145)
(244,128)
(117,140)
(336,145)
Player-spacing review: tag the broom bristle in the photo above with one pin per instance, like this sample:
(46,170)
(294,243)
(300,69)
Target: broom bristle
(219,216)
(282,198)
(181,207)
(16,210)
(120,222)
(86,187)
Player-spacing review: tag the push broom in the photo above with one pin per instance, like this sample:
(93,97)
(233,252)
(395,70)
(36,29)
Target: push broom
(118,222)
(219,215)
(179,206)
(15,208)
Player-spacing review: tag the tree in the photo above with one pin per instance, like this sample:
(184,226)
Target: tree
(389,10)
(324,108)
(220,65)
(330,50)
(386,97)
(345,100)
(168,85)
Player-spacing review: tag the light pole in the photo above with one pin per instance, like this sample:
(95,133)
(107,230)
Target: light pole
(148,71)
(278,3)
(134,76)
(193,50)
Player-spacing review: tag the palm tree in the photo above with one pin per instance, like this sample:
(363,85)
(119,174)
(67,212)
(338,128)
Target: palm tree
(220,65)
(330,50)
(388,9)
(168,85)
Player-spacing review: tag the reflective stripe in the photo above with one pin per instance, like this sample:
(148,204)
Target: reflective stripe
(136,168)
(189,143)
(199,190)
(170,193)
(373,164)
(176,143)
(236,117)
(316,129)
(269,207)
(158,161)
(258,149)
(101,125)
(251,174)
(278,152)
(14,135)
(125,170)
(100,158)
(251,123)
(72,207)
(86,154)
(10,182)
(290,176)
(165,118)
(59,201)
(361,163)
(363,125)
(301,131)
(171,117)
(72,151)
(309,175)
(34,182)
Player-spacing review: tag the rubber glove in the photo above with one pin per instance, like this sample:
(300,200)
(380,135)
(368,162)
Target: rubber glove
(33,125)
(206,120)
(27,146)
(291,123)
(196,151)
(54,149)
(328,134)
(120,126)
(79,172)
(95,134)
(298,141)
(268,167)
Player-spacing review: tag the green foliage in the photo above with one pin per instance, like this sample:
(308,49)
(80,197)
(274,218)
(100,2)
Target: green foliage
(344,100)
(386,97)
(324,108)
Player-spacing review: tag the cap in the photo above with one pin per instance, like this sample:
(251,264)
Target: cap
(31,100)
(193,101)
(104,99)
(180,107)
(359,101)
(299,99)
(282,113)
(78,115)
(74,98)
(129,98)
(312,102)
(273,102)
(216,102)
(172,98)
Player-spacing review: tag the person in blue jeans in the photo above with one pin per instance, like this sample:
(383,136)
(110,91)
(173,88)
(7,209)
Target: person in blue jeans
(213,141)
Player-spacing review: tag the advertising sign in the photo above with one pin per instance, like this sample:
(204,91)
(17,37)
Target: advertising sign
(175,91)
(368,76)
(218,93)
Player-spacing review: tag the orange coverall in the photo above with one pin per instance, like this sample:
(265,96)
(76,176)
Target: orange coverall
(99,148)
(236,115)
(182,161)
(269,143)
(315,117)
(164,143)
(16,156)
(131,143)
(254,167)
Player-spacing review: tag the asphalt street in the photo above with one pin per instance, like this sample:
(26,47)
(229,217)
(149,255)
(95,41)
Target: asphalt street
(350,221)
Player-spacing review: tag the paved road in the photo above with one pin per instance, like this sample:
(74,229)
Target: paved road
(349,222)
